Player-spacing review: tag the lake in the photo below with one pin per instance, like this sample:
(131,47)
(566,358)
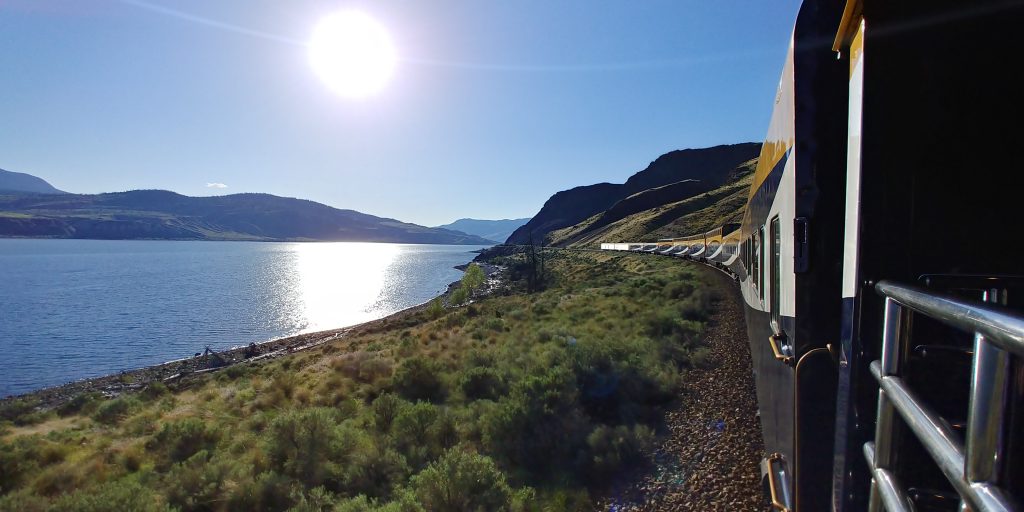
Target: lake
(72,309)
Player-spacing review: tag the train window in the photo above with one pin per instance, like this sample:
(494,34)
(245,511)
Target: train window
(775,273)
(755,256)
(760,261)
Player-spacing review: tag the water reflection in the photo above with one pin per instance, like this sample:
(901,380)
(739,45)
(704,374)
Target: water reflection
(80,308)
(339,283)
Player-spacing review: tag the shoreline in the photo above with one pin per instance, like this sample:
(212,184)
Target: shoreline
(129,381)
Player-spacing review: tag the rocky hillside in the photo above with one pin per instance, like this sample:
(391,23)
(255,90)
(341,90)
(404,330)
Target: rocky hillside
(711,167)
(159,214)
(660,213)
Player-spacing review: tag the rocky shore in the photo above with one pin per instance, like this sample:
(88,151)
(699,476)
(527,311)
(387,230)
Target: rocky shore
(180,370)
(710,459)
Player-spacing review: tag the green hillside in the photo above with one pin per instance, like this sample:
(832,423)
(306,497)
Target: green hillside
(519,401)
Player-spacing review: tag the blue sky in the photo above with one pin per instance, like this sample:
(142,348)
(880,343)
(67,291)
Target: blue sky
(493,106)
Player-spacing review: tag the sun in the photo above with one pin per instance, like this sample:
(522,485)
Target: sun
(352,54)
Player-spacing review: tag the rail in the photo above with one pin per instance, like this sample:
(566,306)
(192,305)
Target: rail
(970,465)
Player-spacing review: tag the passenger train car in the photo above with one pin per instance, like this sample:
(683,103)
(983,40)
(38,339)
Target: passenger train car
(876,258)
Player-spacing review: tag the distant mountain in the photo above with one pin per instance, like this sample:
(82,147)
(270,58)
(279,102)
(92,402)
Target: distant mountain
(159,214)
(497,230)
(711,167)
(21,182)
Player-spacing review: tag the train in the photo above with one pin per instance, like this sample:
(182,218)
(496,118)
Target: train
(878,263)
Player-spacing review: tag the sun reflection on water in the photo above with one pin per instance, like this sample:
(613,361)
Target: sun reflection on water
(339,283)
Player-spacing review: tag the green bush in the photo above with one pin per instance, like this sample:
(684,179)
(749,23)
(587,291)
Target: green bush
(154,390)
(613,448)
(269,491)
(317,499)
(125,494)
(21,412)
(375,471)
(418,378)
(83,402)
(482,383)
(23,501)
(385,409)
(459,296)
(182,439)
(539,426)
(435,309)
(198,483)
(412,431)
(473,278)
(462,481)
(113,411)
(405,502)
(18,459)
(310,446)
(445,430)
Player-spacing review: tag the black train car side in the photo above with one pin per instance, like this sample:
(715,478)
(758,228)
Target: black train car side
(882,213)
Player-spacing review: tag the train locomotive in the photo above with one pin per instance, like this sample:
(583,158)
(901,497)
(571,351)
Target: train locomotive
(876,263)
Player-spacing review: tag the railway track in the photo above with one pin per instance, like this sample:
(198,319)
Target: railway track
(709,460)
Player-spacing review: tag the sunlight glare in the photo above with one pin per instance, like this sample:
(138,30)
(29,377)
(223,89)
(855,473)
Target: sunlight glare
(340,286)
(352,54)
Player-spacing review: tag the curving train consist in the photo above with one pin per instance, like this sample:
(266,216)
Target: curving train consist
(876,259)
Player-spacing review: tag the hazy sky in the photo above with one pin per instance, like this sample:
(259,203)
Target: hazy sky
(493,106)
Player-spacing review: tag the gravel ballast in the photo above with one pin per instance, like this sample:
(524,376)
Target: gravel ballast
(710,458)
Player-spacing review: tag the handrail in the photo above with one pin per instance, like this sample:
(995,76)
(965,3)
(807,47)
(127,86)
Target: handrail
(776,490)
(997,324)
(967,466)
(941,443)
(773,342)
(890,490)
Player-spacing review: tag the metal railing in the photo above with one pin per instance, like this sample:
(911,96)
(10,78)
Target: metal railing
(973,471)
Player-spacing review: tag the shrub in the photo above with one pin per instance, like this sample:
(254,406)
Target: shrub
(237,371)
(473,278)
(406,502)
(435,309)
(375,471)
(612,449)
(125,494)
(21,412)
(418,379)
(701,357)
(57,480)
(82,402)
(385,409)
(284,382)
(412,431)
(309,446)
(459,296)
(539,425)
(462,481)
(268,491)
(155,390)
(317,499)
(198,483)
(182,439)
(24,501)
(482,383)
(18,459)
(445,431)
(677,289)
(113,411)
